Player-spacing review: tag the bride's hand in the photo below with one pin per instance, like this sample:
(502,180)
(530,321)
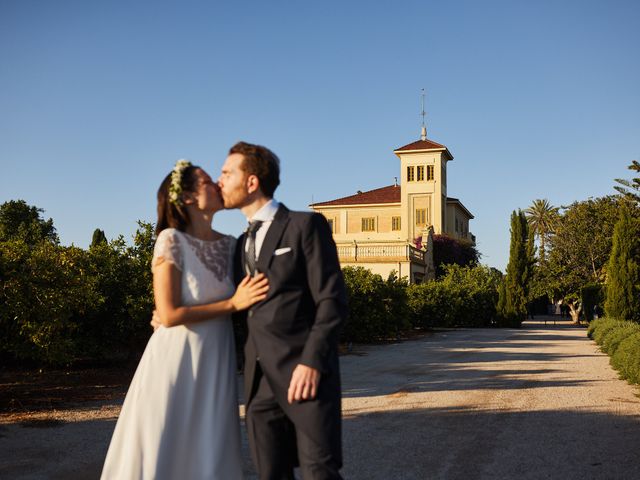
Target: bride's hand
(250,290)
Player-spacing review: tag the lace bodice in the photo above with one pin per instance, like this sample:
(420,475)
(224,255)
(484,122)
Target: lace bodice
(206,266)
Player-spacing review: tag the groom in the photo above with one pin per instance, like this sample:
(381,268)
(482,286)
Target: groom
(292,376)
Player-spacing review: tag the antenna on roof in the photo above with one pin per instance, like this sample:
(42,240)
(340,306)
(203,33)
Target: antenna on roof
(423,134)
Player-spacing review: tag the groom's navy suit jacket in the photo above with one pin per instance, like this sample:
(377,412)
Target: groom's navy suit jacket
(300,320)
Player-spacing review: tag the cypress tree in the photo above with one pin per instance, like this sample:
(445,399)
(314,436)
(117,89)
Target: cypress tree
(512,304)
(623,269)
(99,238)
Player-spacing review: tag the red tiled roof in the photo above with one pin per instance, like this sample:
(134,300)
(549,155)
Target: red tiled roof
(425,145)
(390,194)
(421,145)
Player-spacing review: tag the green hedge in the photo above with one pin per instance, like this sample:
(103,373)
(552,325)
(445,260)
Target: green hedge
(378,309)
(60,305)
(381,309)
(621,341)
(463,297)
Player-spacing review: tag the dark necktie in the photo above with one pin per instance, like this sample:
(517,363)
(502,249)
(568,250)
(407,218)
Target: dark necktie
(250,258)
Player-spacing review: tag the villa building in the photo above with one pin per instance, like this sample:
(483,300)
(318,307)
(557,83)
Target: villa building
(378,229)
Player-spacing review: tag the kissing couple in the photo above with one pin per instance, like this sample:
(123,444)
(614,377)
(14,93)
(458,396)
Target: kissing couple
(180,419)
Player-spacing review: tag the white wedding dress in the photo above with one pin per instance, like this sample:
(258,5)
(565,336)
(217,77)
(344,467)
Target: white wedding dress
(180,419)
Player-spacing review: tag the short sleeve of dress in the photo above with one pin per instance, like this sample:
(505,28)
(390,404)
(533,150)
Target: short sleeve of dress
(167,248)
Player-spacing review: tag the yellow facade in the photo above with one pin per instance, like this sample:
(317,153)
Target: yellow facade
(379,231)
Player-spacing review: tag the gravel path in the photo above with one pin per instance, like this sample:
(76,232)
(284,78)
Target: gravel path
(539,402)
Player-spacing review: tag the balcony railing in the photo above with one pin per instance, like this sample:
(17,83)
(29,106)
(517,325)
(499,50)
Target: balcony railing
(379,253)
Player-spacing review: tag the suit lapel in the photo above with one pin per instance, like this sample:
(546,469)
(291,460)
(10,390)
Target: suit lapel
(274,234)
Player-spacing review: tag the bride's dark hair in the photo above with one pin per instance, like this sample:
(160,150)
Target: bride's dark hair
(171,215)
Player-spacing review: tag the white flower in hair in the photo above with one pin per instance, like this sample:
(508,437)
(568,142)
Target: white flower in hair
(175,190)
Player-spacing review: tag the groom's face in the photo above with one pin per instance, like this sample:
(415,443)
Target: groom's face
(233,182)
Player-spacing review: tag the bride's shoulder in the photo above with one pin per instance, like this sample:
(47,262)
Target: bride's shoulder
(168,238)
(169,234)
(168,247)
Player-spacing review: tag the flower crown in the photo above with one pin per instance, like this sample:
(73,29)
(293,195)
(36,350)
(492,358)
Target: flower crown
(175,190)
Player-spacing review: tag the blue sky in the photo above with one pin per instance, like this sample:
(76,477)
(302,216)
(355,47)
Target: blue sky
(98,99)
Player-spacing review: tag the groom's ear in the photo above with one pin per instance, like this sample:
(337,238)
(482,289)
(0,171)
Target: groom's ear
(253,183)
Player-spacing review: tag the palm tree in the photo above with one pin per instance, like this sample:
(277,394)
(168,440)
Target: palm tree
(628,186)
(542,218)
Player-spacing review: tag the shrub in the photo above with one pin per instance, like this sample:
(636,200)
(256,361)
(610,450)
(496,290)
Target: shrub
(601,328)
(594,325)
(465,296)
(612,339)
(626,359)
(45,290)
(63,304)
(621,340)
(377,308)
(395,297)
(431,305)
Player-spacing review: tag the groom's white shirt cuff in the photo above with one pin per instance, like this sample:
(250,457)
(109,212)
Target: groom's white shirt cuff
(266,214)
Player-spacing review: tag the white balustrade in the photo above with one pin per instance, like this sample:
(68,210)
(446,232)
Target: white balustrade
(364,252)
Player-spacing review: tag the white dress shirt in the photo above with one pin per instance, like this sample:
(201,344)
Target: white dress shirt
(266,214)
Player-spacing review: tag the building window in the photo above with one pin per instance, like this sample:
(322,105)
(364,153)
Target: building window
(330,221)
(421,217)
(457,224)
(411,174)
(368,224)
(420,173)
(395,223)
(430,175)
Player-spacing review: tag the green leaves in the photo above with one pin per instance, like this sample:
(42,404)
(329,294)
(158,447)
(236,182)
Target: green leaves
(543,219)
(630,189)
(381,309)
(61,304)
(623,269)
(377,308)
(19,221)
(579,250)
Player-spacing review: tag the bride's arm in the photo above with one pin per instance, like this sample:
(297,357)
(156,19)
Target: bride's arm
(167,295)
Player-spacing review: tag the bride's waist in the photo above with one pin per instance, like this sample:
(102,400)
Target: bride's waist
(202,327)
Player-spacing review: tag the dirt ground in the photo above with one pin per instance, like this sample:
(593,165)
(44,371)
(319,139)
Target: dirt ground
(537,402)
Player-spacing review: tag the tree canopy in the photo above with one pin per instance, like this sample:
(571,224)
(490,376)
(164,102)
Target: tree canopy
(582,241)
(19,221)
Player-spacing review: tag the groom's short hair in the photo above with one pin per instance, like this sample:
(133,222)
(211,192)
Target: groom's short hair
(261,162)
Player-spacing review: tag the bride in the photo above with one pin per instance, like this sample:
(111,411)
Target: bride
(179,419)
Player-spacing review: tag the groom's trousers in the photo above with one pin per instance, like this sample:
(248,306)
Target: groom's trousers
(277,446)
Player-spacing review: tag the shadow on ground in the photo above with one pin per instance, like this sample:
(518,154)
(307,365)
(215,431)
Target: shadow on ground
(461,360)
(445,443)
(468,444)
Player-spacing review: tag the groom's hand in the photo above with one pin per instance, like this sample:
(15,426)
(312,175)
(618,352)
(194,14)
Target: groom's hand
(304,384)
